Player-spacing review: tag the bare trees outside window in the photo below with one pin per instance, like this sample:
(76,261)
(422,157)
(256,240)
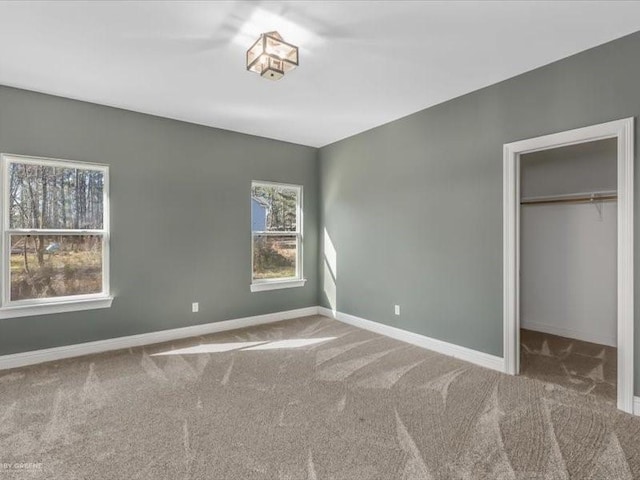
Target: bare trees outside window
(276,233)
(55,229)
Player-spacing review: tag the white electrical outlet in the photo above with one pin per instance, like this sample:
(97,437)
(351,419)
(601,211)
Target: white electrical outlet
(195,307)
(397,309)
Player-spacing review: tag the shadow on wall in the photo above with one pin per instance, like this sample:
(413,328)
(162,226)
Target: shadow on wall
(330,272)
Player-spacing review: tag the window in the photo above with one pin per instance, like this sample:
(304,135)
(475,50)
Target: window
(276,236)
(55,236)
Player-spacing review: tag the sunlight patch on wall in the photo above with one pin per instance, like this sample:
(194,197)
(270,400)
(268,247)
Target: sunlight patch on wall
(330,255)
(330,273)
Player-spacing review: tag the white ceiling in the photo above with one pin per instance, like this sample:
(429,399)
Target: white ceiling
(362,64)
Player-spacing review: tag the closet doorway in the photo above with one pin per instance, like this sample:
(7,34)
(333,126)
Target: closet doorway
(568,260)
(568,287)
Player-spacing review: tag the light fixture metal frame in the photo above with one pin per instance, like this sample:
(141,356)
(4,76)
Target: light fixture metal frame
(274,35)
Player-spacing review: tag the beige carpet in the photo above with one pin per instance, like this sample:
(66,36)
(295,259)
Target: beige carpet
(588,368)
(338,403)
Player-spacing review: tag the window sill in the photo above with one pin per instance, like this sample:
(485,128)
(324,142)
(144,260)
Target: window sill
(276,285)
(55,307)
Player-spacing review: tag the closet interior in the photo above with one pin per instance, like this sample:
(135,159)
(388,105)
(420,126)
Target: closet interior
(568,290)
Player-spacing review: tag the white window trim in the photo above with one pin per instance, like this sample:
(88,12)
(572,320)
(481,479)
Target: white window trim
(277,284)
(44,306)
(262,285)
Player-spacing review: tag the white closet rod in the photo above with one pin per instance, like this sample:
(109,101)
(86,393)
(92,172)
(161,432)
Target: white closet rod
(585,197)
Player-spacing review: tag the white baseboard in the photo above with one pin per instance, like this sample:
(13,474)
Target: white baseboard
(569,333)
(636,405)
(69,351)
(473,356)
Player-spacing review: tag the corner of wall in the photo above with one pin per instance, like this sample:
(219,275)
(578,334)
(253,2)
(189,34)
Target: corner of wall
(320,217)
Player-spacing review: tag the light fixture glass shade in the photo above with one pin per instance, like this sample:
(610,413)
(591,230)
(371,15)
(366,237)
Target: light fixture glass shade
(272,57)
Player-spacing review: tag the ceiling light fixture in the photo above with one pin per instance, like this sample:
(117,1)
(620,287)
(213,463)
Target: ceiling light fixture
(272,57)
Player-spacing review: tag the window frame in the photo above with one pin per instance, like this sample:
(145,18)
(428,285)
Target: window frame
(41,306)
(259,285)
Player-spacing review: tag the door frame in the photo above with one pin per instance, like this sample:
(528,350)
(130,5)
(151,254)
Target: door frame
(623,131)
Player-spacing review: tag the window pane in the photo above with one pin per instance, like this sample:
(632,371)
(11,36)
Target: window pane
(274,256)
(47,266)
(52,197)
(275,207)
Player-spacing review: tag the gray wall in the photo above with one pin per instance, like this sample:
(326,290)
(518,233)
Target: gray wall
(180,213)
(586,167)
(414,208)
